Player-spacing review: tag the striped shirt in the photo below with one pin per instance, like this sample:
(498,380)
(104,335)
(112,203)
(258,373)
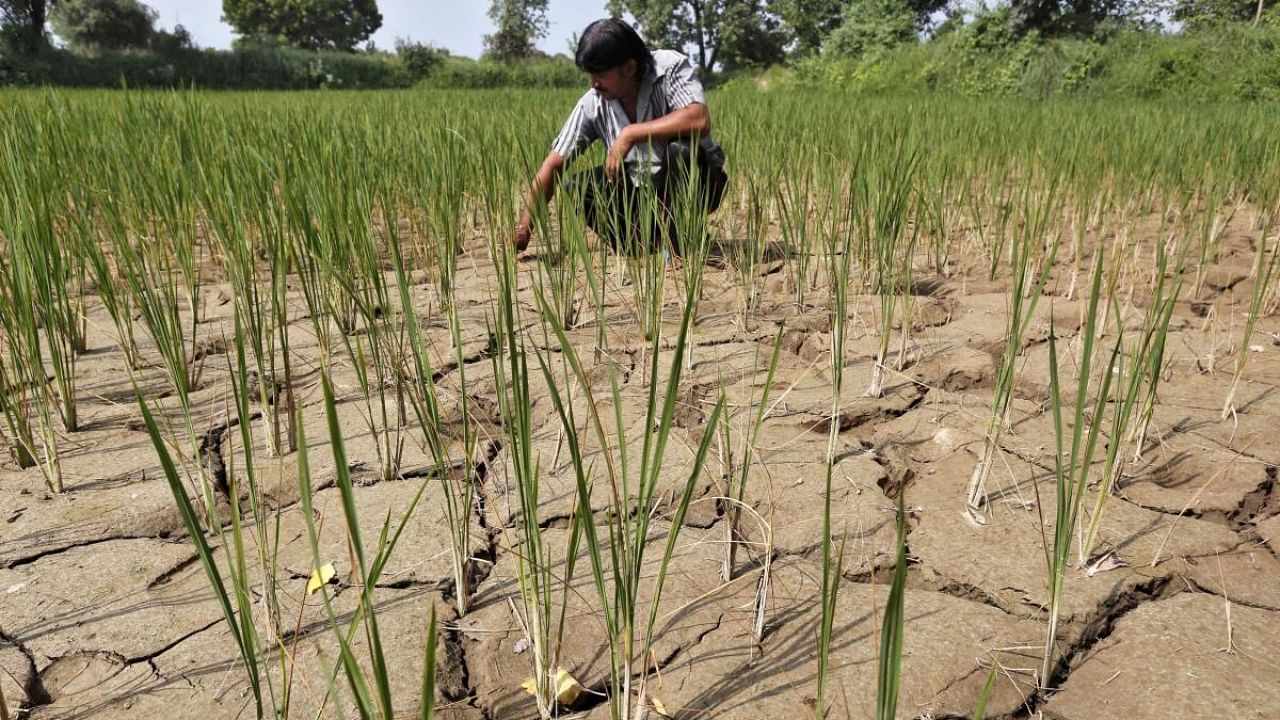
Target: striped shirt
(669,86)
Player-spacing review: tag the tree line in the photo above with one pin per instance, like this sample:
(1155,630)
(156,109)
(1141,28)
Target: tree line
(717,34)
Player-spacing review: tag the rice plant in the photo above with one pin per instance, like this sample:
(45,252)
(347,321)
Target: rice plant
(1138,375)
(736,487)
(840,242)
(534,564)
(29,402)
(885,206)
(633,488)
(1267,260)
(366,222)
(418,376)
(889,677)
(1031,257)
(1072,463)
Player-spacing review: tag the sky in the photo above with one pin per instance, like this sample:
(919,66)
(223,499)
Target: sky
(457,25)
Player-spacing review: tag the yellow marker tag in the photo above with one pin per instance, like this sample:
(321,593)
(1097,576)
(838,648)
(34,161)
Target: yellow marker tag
(566,686)
(528,686)
(321,577)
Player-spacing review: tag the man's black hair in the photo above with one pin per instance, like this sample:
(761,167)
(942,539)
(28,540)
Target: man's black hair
(609,43)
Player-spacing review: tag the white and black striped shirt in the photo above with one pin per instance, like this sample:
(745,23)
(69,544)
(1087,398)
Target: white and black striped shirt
(669,86)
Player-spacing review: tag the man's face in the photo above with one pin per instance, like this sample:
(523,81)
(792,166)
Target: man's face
(615,83)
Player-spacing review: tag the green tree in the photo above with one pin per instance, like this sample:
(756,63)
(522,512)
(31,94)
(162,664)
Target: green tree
(22,23)
(308,24)
(1070,17)
(419,59)
(871,25)
(711,27)
(103,24)
(757,39)
(1203,13)
(518,24)
(809,22)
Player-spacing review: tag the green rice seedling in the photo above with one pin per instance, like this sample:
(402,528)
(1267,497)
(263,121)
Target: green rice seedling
(1137,375)
(1087,207)
(162,194)
(31,396)
(1032,255)
(759,208)
(13,403)
(889,663)
(1264,274)
(885,204)
(980,710)
(937,213)
(49,275)
(632,487)
(309,267)
(994,237)
(373,354)
(537,586)
(423,396)
(243,482)
(686,232)
(839,238)
(249,226)
(88,245)
(444,214)
(644,247)
(370,686)
(1211,222)
(1071,465)
(736,488)
(146,270)
(795,198)
(235,603)
(26,400)
(559,261)
(238,252)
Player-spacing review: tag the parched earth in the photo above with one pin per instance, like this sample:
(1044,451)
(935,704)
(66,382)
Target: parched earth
(106,612)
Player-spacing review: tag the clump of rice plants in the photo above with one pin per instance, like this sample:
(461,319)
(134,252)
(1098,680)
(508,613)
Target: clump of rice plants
(1031,256)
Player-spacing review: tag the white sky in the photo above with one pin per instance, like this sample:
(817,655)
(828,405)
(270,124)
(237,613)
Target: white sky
(459,25)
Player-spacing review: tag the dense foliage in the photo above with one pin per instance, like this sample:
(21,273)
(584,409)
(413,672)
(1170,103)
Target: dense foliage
(518,25)
(984,58)
(307,24)
(92,25)
(1196,49)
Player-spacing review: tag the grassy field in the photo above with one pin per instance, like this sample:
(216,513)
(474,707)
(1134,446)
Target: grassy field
(954,409)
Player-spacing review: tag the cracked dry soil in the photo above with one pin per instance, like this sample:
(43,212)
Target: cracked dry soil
(105,611)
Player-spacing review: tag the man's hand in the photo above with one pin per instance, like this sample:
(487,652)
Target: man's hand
(524,230)
(618,153)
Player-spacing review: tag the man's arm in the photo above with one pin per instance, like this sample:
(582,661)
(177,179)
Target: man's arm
(689,121)
(541,190)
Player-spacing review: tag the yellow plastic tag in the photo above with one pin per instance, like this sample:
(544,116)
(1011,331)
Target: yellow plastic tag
(321,577)
(567,687)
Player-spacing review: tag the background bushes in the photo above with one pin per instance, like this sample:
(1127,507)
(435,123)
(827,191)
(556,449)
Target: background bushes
(983,58)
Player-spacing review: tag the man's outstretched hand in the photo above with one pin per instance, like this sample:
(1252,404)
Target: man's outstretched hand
(618,154)
(524,231)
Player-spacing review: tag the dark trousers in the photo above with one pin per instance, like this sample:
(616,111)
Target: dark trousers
(639,218)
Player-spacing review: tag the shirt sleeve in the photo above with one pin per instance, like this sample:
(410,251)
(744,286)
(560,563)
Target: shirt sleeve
(682,86)
(578,132)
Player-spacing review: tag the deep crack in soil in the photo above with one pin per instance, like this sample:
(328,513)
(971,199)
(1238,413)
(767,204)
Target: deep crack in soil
(33,689)
(1097,630)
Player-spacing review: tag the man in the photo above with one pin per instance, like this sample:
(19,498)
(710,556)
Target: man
(649,109)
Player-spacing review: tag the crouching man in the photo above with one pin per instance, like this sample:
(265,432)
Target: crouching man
(648,108)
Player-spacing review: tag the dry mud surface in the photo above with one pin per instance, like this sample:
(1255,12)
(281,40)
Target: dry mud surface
(105,611)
